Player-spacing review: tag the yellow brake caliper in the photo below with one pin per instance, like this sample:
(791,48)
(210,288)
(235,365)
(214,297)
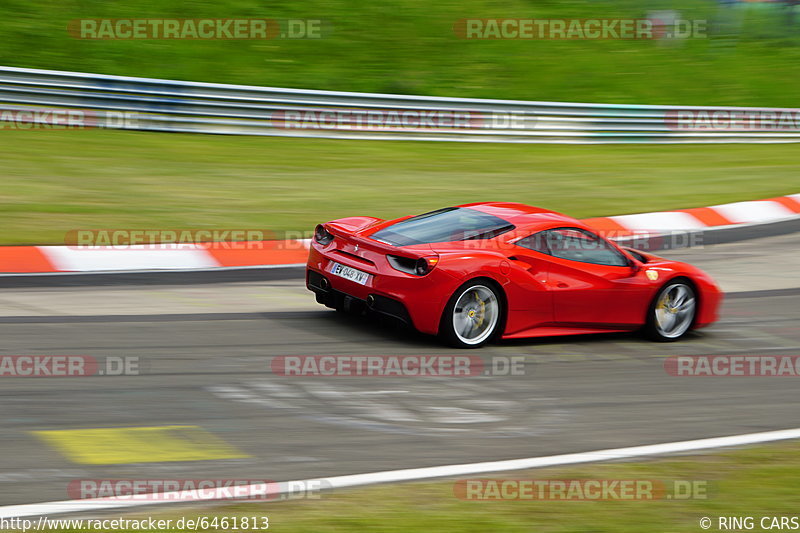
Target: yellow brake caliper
(663,305)
(482,304)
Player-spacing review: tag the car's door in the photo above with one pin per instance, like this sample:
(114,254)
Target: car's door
(592,282)
(532,301)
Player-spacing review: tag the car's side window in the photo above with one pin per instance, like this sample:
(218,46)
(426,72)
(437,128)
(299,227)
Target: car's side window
(536,242)
(580,245)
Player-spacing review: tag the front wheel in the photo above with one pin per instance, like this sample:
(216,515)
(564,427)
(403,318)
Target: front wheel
(672,313)
(472,315)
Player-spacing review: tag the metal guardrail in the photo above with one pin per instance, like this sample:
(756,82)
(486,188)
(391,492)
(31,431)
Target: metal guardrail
(178,106)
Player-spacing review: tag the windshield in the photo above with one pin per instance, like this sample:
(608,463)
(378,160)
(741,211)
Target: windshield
(444,225)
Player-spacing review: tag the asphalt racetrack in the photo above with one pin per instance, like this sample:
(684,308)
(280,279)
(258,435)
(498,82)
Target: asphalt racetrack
(204,351)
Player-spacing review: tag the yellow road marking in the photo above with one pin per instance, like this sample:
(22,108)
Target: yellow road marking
(106,446)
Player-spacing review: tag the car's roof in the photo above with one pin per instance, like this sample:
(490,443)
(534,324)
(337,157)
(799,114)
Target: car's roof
(522,215)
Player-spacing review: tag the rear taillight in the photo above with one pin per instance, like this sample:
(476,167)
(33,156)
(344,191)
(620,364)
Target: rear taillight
(425,264)
(322,236)
(416,267)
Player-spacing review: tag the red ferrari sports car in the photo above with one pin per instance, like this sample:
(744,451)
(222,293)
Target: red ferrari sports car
(479,271)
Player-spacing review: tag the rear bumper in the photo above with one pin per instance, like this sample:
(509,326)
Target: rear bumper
(320,285)
(417,301)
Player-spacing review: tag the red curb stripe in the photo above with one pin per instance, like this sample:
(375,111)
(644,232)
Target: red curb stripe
(708,216)
(787,202)
(24,259)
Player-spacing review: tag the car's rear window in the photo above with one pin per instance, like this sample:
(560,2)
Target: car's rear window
(444,225)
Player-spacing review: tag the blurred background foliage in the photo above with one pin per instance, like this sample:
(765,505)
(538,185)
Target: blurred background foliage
(409,46)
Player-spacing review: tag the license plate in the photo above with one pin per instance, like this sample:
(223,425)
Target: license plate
(346,272)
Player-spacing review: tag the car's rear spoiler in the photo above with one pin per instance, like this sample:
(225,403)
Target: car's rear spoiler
(344,235)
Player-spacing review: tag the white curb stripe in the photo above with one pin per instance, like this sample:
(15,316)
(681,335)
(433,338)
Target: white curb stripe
(416,474)
(660,221)
(159,271)
(756,211)
(139,257)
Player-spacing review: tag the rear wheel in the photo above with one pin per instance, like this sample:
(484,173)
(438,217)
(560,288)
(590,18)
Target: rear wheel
(472,315)
(673,312)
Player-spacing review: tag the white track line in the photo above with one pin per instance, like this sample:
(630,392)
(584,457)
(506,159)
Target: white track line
(415,474)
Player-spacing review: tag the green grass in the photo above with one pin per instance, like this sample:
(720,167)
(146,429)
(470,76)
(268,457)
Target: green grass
(56,181)
(757,482)
(751,56)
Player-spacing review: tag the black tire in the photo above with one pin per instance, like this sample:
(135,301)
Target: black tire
(676,301)
(480,310)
